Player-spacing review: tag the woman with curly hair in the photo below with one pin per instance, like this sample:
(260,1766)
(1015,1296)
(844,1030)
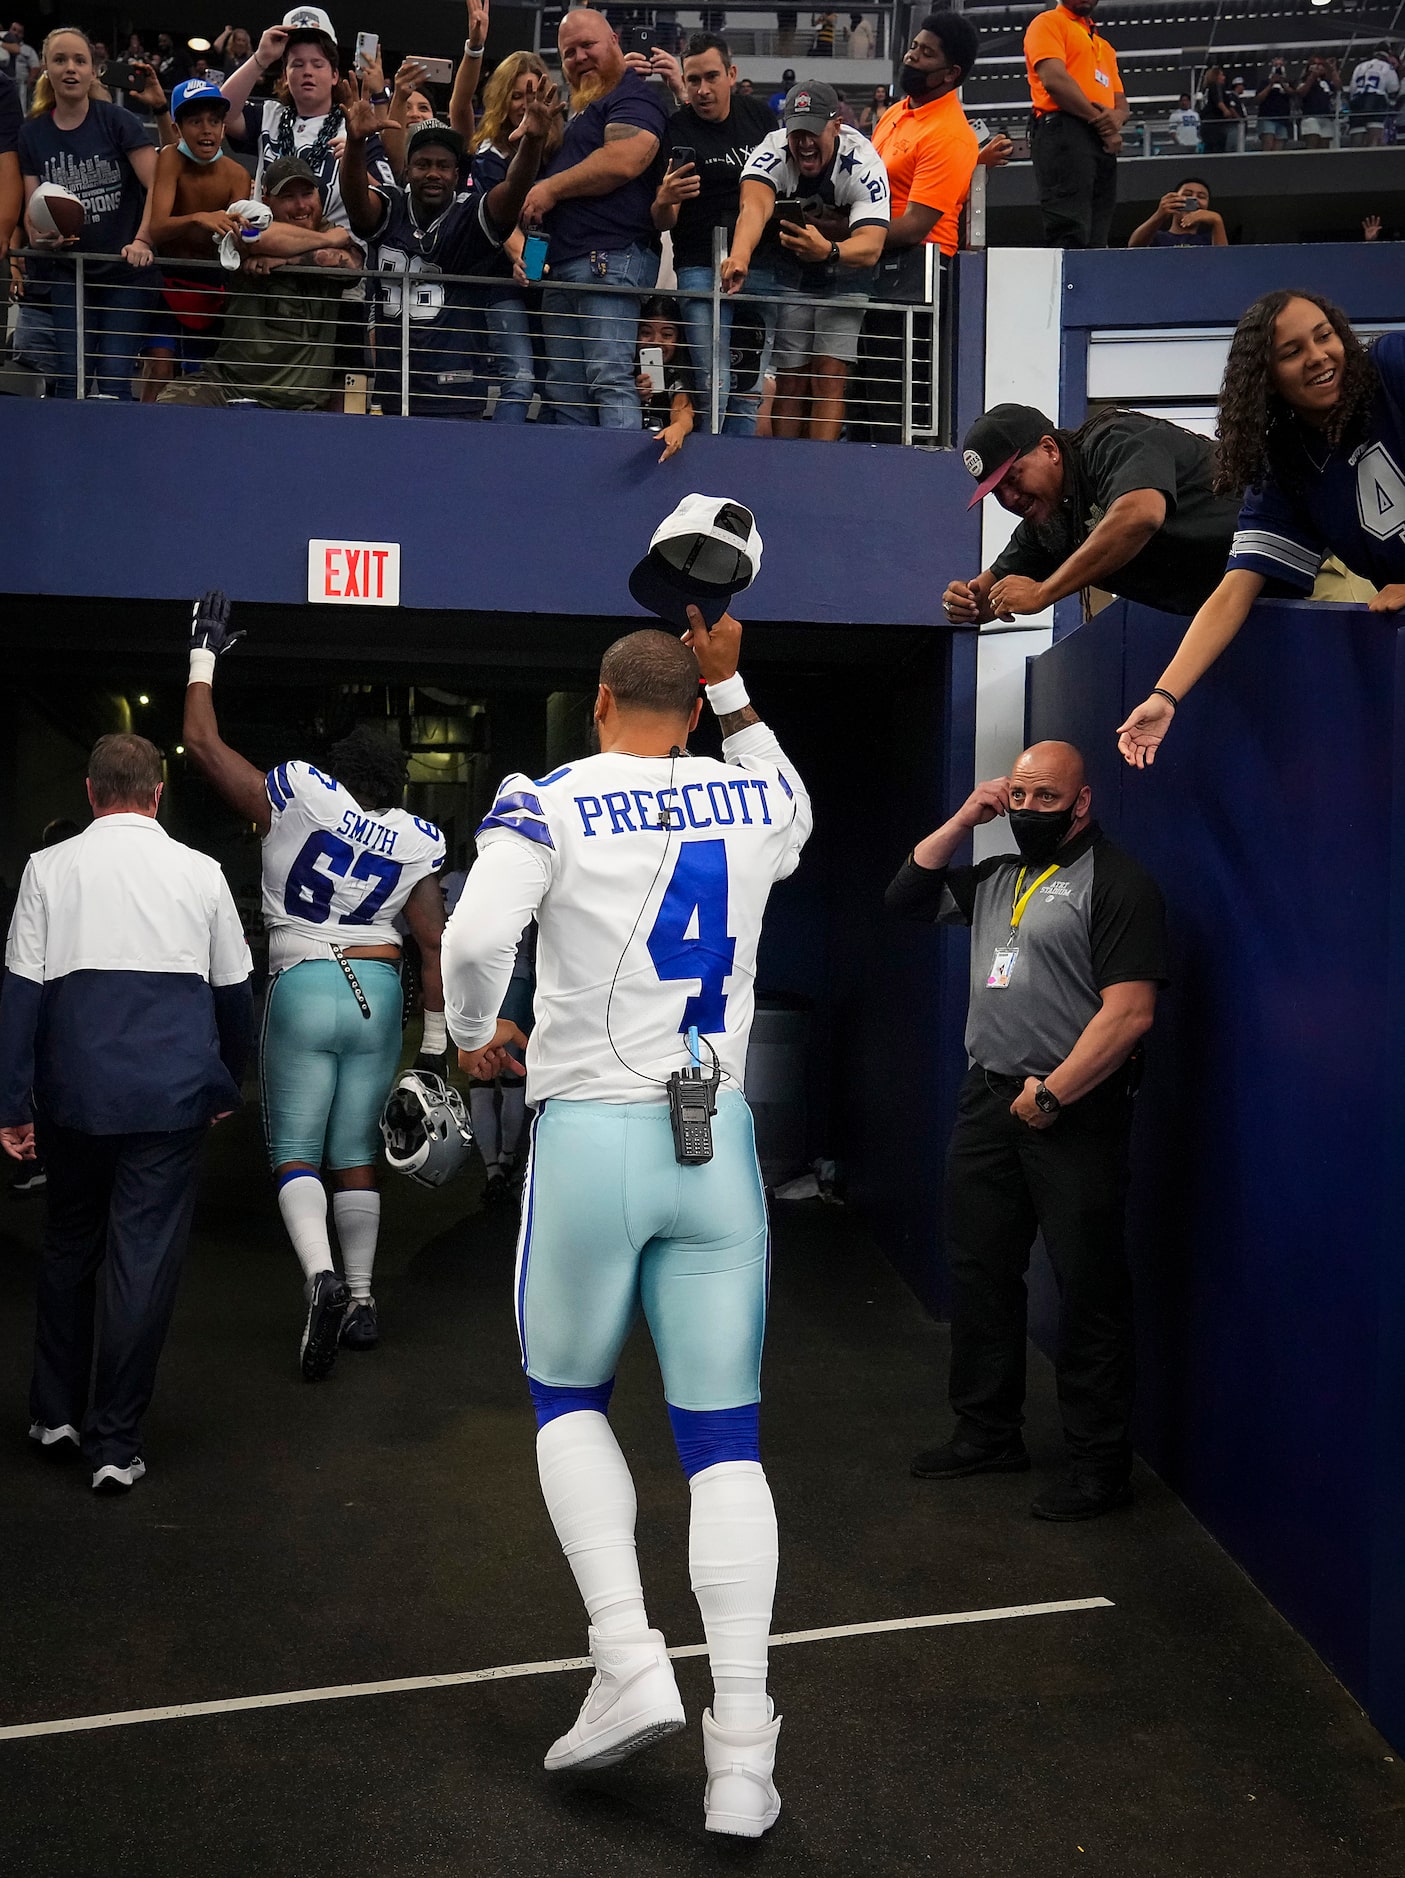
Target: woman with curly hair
(1312,429)
(509,322)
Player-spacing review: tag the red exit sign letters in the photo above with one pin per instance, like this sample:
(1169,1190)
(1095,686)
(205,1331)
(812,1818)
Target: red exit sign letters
(353,573)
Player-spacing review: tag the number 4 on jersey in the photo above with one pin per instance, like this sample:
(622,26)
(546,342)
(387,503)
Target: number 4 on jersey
(689,938)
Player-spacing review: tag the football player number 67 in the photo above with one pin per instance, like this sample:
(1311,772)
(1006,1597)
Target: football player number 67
(323,860)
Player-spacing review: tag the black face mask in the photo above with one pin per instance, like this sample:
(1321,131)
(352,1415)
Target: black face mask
(1038,832)
(912,81)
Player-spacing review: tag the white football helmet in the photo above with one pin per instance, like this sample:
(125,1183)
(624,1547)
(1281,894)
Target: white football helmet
(425,1128)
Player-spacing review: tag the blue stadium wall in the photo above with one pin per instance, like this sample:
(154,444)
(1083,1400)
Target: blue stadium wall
(1266,1203)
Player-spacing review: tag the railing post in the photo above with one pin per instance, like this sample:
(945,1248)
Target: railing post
(908,356)
(975,209)
(405,280)
(715,406)
(80,338)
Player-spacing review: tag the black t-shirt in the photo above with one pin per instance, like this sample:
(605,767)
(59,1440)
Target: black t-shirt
(1319,100)
(720,151)
(11,116)
(677,376)
(1277,98)
(1215,96)
(1184,561)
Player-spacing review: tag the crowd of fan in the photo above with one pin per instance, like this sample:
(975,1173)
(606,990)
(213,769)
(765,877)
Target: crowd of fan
(277,170)
(227,191)
(1364,108)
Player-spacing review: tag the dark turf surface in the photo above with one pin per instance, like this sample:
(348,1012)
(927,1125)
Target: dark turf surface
(388,1524)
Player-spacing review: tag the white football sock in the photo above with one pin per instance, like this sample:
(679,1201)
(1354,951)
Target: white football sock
(589,1494)
(302,1201)
(357,1211)
(483,1115)
(732,1563)
(514,1113)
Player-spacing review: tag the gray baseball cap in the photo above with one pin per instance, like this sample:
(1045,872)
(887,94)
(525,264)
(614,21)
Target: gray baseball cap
(809,106)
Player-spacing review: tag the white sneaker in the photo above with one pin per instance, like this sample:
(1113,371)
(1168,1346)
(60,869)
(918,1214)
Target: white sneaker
(633,1700)
(741,1796)
(55,1442)
(112,1479)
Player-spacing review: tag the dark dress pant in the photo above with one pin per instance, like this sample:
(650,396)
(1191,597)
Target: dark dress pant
(1005,1183)
(119,1212)
(1076,180)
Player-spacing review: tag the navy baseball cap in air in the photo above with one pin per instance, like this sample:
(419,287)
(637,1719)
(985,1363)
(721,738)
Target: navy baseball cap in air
(196,91)
(702,554)
(999,439)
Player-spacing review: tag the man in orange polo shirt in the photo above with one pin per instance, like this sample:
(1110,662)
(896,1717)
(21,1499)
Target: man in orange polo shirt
(927,147)
(1079,111)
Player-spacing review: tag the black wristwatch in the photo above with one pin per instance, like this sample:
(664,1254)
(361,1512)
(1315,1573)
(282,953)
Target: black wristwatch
(1045,1100)
(834,250)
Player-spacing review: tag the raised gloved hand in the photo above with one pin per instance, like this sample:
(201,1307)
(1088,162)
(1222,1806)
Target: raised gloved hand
(210,629)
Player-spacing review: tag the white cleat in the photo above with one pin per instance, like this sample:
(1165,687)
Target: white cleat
(633,1700)
(55,1443)
(741,1796)
(112,1479)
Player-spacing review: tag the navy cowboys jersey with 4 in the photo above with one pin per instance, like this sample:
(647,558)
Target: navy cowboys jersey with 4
(1353,505)
(448,326)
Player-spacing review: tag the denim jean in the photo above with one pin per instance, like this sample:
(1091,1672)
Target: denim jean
(591,338)
(738,404)
(512,359)
(117,316)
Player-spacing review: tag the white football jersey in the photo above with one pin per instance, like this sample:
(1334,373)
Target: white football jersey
(857,179)
(333,873)
(648,877)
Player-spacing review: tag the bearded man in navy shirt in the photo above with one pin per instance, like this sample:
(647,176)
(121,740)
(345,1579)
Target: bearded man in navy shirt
(595,202)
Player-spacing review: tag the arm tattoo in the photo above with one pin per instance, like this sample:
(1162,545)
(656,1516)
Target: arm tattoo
(614,133)
(734,721)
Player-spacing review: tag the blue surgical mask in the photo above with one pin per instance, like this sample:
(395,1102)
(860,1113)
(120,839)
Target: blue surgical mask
(186,151)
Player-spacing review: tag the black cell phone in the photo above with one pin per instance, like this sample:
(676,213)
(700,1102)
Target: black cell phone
(682,153)
(790,209)
(118,75)
(639,39)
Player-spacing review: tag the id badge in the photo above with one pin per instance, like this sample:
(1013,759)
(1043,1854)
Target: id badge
(1002,968)
(1102,79)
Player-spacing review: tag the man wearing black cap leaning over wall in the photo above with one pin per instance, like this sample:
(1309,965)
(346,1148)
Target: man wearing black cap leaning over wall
(1126,503)
(1068,947)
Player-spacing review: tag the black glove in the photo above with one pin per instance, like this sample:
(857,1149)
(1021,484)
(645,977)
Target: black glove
(427,1065)
(209,623)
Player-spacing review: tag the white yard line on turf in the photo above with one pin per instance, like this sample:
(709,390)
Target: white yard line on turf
(185,1711)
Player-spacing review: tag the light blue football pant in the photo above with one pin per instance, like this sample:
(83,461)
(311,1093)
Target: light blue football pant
(325,1070)
(612,1225)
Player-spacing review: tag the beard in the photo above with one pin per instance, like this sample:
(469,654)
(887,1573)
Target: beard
(592,87)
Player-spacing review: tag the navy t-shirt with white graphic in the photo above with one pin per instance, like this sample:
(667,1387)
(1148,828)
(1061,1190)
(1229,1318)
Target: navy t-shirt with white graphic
(93,162)
(1349,501)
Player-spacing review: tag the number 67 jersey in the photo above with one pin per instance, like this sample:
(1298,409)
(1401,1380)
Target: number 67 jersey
(333,872)
(648,877)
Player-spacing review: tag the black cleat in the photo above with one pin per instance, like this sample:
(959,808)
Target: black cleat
(361,1329)
(954,1460)
(327,1299)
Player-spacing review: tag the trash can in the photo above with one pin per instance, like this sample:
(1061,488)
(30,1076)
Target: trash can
(776,1065)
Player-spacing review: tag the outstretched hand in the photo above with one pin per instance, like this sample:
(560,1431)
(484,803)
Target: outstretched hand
(1141,736)
(539,112)
(718,649)
(209,623)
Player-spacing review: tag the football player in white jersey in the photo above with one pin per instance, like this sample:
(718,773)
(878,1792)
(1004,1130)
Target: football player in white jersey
(648,872)
(340,860)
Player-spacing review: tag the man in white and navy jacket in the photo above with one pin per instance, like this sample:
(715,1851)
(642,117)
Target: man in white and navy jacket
(126,1020)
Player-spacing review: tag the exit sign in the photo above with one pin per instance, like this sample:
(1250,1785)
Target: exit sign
(353,573)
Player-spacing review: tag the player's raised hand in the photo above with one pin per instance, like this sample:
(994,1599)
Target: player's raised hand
(718,649)
(210,629)
(495,1059)
(1144,731)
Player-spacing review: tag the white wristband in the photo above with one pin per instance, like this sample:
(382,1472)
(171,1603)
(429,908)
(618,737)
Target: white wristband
(202,666)
(436,1034)
(472,52)
(728,696)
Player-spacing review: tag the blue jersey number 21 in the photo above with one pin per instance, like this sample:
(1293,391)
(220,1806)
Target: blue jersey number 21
(689,937)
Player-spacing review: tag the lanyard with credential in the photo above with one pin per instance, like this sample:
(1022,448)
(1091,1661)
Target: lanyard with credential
(1022,900)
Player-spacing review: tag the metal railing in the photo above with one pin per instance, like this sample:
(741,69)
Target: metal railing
(406,339)
(1153,137)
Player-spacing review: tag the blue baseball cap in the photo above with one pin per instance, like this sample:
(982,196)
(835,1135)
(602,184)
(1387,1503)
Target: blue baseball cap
(196,91)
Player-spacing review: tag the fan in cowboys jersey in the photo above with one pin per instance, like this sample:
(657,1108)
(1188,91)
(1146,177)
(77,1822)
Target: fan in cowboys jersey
(341,860)
(439,223)
(648,871)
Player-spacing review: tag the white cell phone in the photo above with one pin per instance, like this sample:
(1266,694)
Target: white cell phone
(368,49)
(651,361)
(436,71)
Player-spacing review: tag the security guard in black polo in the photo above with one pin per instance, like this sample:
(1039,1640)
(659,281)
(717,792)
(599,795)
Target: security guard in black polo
(1068,947)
